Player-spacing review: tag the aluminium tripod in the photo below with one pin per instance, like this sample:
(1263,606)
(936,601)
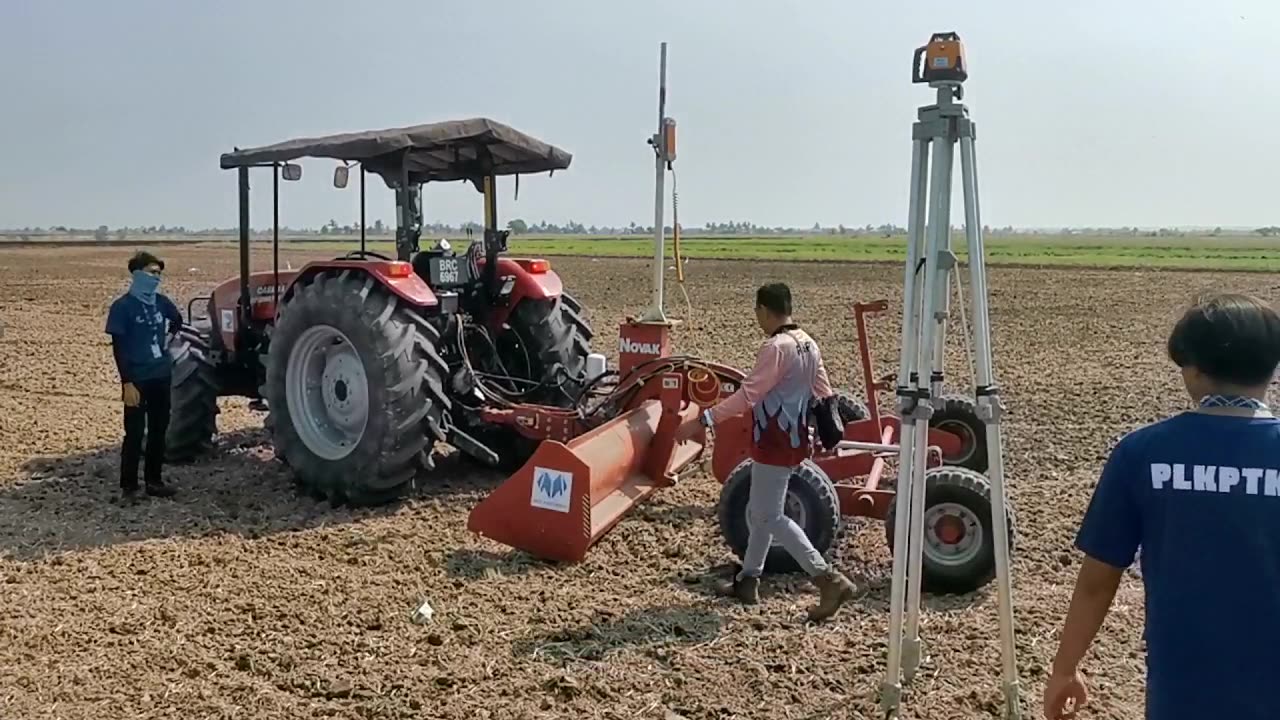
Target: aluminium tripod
(925,309)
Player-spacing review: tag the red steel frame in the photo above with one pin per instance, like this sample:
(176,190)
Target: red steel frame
(611,466)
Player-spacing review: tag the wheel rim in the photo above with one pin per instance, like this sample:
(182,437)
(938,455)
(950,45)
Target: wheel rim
(953,534)
(968,441)
(793,509)
(327,392)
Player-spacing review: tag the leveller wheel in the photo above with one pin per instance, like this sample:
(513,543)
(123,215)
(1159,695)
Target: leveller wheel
(811,503)
(958,549)
(959,416)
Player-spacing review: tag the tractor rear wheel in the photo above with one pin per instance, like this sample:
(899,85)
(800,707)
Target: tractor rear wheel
(958,549)
(353,389)
(548,341)
(193,397)
(557,340)
(811,503)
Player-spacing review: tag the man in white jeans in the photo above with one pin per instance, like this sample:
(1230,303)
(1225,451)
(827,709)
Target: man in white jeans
(788,376)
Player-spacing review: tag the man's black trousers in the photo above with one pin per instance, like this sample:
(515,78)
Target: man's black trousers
(150,418)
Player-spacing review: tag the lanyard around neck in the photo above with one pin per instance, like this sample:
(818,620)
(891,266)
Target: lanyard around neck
(1234,405)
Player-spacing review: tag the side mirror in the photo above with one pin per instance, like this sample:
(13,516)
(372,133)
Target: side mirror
(340,176)
(292,172)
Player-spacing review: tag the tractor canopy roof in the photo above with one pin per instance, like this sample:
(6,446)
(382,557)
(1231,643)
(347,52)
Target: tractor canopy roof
(444,151)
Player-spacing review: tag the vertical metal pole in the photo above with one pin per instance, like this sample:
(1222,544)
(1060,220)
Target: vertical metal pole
(243,179)
(891,691)
(362,228)
(275,235)
(915,228)
(490,205)
(935,275)
(990,409)
(655,313)
(404,247)
(947,109)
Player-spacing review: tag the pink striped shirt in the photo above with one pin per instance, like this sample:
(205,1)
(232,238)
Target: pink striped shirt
(788,375)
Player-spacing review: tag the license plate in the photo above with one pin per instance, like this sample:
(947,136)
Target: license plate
(448,271)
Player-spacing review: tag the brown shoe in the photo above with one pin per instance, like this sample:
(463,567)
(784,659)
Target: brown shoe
(746,590)
(834,590)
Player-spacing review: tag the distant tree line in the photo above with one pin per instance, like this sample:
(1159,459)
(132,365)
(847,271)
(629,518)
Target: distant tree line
(520,226)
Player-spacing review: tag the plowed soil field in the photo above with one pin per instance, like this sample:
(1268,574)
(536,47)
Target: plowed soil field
(241,598)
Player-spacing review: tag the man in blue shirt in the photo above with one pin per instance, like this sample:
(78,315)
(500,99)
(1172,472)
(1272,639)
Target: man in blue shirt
(139,322)
(1199,493)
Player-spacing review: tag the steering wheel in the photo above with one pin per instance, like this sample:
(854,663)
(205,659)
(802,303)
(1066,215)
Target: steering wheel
(365,253)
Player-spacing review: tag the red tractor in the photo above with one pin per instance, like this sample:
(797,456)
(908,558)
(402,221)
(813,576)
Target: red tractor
(365,361)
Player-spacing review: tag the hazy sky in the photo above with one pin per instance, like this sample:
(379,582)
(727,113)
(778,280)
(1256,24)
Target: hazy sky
(1092,112)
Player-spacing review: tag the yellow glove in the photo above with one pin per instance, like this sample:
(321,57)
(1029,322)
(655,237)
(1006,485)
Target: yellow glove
(131,396)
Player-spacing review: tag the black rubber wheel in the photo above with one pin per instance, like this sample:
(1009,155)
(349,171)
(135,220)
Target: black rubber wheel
(552,341)
(193,397)
(381,339)
(558,340)
(811,502)
(851,409)
(958,550)
(959,415)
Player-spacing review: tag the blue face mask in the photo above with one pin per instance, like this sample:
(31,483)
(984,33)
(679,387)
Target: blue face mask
(144,286)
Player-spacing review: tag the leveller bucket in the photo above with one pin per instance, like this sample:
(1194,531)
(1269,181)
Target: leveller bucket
(568,495)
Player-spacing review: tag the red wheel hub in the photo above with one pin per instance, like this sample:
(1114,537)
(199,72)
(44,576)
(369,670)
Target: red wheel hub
(949,529)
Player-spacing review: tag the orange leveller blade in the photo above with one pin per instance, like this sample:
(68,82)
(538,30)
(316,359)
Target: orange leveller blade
(568,495)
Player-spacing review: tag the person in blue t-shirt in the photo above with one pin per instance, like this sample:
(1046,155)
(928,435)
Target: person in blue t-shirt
(1197,498)
(139,322)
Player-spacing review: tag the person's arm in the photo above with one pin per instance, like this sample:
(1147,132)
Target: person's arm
(171,313)
(118,329)
(763,377)
(1109,537)
(117,351)
(1095,589)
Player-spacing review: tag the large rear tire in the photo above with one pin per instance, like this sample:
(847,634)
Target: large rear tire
(558,339)
(193,397)
(354,390)
(550,340)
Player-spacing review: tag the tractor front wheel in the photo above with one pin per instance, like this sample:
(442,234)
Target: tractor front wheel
(958,549)
(811,503)
(353,389)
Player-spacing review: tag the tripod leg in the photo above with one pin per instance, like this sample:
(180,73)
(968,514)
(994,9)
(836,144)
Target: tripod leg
(913,284)
(990,408)
(942,284)
(938,271)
